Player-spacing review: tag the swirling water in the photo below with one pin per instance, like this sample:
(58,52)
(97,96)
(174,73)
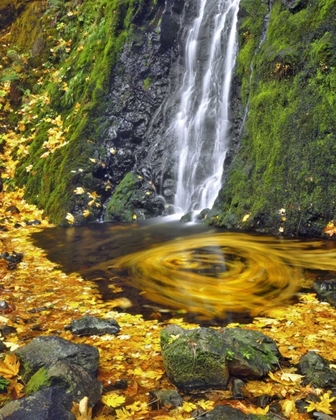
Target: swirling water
(192,268)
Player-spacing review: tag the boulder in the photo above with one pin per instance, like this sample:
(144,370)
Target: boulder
(251,354)
(316,370)
(204,358)
(71,377)
(42,350)
(47,404)
(90,325)
(194,359)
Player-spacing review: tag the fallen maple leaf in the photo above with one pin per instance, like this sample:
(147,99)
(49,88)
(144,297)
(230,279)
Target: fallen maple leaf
(323,405)
(113,399)
(9,367)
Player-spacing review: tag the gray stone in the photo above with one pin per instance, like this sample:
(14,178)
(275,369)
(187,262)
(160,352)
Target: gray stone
(251,354)
(90,325)
(164,397)
(72,378)
(317,371)
(225,412)
(42,350)
(48,404)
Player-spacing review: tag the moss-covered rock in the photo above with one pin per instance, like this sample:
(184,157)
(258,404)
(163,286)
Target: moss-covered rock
(194,359)
(134,199)
(204,358)
(78,45)
(283,177)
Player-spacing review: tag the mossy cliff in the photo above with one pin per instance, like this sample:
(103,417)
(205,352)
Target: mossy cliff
(58,60)
(282,178)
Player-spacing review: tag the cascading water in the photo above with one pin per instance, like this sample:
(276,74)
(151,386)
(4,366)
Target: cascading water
(202,123)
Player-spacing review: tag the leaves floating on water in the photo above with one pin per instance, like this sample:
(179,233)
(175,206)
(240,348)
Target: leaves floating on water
(226,272)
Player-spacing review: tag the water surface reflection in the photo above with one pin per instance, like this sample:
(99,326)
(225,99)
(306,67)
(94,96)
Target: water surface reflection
(190,267)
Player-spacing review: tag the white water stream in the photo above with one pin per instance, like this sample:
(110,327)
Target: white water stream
(202,123)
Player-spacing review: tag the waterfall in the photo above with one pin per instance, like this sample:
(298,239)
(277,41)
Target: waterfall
(201,125)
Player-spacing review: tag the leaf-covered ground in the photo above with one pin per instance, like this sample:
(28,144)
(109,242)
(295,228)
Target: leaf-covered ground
(42,300)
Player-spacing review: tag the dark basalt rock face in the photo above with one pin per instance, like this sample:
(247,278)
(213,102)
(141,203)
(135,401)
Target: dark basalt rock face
(295,5)
(140,108)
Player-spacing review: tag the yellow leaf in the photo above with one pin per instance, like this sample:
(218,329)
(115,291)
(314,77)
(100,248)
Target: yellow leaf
(113,399)
(79,190)
(70,218)
(9,367)
(246,217)
(206,405)
(291,377)
(189,406)
(323,405)
(288,407)
(123,414)
(86,213)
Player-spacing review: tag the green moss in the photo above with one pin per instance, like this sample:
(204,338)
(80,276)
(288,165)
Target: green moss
(192,361)
(286,158)
(120,206)
(84,42)
(147,83)
(38,381)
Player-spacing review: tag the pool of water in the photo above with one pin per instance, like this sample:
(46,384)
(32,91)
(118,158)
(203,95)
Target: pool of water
(189,269)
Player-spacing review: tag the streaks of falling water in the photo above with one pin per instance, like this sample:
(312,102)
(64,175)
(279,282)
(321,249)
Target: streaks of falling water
(202,123)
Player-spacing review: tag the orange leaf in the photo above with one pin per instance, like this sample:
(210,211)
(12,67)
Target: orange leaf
(9,367)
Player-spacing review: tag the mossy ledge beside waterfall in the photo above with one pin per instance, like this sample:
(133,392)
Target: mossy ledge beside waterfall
(94,87)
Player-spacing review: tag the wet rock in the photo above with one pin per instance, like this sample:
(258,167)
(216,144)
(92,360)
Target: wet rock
(251,353)
(317,371)
(225,412)
(326,291)
(295,5)
(164,397)
(49,404)
(238,389)
(188,217)
(194,359)
(321,416)
(72,378)
(7,330)
(12,210)
(134,199)
(42,350)
(3,305)
(171,22)
(120,384)
(90,325)
(204,358)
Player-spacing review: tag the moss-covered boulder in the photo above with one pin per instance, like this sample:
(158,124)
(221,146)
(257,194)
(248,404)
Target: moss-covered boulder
(134,199)
(205,358)
(194,359)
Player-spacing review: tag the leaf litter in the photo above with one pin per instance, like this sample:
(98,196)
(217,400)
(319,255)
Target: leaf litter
(42,300)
